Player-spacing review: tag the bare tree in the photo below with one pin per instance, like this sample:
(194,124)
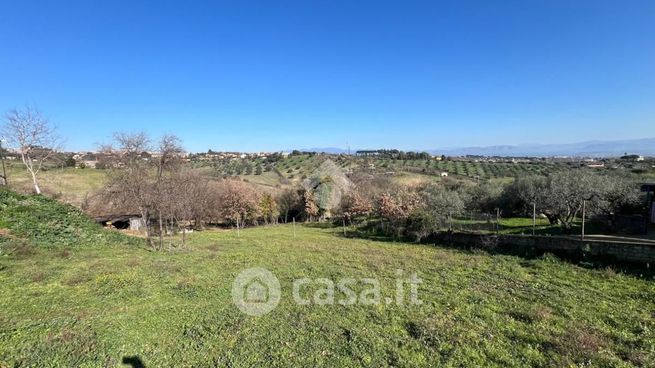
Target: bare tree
(170,154)
(195,198)
(33,136)
(164,187)
(129,185)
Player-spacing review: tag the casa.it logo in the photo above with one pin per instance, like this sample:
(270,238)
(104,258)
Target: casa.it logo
(256,291)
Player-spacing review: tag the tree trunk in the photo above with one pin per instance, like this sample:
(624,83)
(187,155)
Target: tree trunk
(30,168)
(552,219)
(146,226)
(161,232)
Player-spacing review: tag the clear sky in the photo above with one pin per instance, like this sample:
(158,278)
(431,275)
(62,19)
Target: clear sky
(279,74)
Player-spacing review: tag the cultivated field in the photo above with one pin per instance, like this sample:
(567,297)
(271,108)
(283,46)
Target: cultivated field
(294,168)
(90,305)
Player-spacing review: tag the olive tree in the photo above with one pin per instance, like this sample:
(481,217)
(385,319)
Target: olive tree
(560,196)
(442,204)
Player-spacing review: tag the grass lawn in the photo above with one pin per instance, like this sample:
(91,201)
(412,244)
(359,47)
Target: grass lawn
(91,306)
(523,225)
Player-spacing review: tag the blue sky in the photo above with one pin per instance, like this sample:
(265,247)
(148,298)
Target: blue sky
(272,75)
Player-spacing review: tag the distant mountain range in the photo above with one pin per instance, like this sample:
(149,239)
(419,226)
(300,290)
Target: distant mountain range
(644,146)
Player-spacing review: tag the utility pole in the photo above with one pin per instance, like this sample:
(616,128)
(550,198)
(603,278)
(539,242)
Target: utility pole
(4,169)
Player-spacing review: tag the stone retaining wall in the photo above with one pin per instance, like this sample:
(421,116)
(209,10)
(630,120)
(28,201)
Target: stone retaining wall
(633,252)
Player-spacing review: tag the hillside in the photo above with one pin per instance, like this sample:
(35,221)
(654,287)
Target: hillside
(294,169)
(596,148)
(610,148)
(44,222)
(95,306)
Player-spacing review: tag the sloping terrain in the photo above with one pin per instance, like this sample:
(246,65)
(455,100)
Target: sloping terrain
(98,306)
(44,222)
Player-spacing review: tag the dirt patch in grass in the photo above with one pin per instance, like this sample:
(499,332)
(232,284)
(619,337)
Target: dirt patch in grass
(133,262)
(533,315)
(37,276)
(77,279)
(214,248)
(19,249)
(64,253)
(580,345)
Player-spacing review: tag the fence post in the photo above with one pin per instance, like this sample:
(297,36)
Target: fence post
(4,169)
(584,208)
(294,227)
(534,217)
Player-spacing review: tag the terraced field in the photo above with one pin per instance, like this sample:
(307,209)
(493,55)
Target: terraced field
(298,167)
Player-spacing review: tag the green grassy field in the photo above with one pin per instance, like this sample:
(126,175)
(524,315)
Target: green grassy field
(71,185)
(88,305)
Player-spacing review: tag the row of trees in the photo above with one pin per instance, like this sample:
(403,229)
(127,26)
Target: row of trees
(419,210)
(170,198)
(396,154)
(560,197)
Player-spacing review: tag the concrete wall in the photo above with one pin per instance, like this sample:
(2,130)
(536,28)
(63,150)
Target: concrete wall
(636,252)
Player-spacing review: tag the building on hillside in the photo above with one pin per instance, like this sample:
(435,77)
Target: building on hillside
(122,221)
(107,213)
(444,174)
